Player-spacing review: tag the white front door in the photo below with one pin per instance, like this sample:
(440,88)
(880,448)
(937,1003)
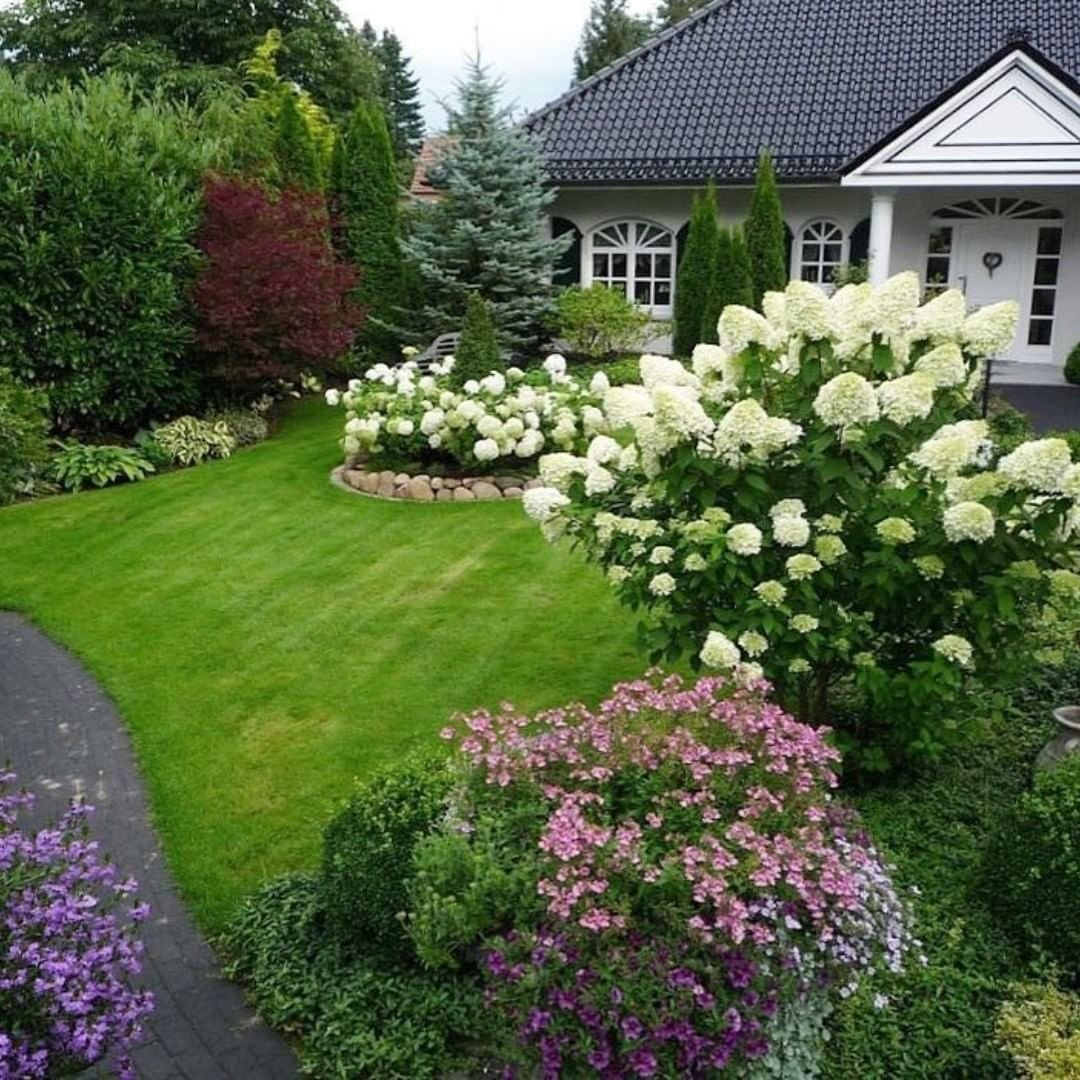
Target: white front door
(998,260)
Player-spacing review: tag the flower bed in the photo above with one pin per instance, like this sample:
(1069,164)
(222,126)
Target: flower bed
(661,886)
(495,424)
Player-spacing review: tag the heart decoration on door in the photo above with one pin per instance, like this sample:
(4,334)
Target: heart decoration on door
(992,260)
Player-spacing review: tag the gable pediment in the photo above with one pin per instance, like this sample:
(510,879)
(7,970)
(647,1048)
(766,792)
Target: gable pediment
(1016,122)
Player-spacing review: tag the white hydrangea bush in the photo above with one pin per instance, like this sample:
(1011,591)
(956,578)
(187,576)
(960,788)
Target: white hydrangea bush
(814,500)
(508,418)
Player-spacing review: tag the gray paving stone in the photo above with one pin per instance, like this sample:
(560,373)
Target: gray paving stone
(63,737)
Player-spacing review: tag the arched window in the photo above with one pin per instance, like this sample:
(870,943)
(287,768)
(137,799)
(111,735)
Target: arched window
(820,252)
(637,258)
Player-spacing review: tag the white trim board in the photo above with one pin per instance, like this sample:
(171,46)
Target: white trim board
(1017,123)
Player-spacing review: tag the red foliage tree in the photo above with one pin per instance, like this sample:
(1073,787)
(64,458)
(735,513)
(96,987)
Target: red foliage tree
(272,297)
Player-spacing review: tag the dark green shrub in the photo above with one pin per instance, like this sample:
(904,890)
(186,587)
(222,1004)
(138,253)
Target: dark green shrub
(1034,860)
(1072,365)
(732,281)
(367,854)
(765,233)
(100,205)
(599,322)
(478,353)
(697,273)
(23,428)
(246,426)
(355,1018)
(1009,427)
(77,465)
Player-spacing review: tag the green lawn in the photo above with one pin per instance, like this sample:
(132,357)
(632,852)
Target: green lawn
(269,638)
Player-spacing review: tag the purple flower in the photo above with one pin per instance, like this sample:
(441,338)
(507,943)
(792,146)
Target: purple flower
(632,1028)
(642,1062)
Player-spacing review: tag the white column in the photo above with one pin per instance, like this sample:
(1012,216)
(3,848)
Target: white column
(882,204)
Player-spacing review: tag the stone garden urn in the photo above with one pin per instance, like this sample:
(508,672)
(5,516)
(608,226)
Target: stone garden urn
(1067,741)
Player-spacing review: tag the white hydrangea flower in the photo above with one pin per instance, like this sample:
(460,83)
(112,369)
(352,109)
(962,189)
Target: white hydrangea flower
(555,365)
(771,593)
(663,371)
(486,449)
(355,386)
(618,574)
(470,410)
(788,508)
(678,414)
(829,549)
(977,488)
(746,427)
(490,427)
(333,397)
(744,539)
(558,470)
(991,330)
(603,450)
(791,531)
(542,503)
(747,674)
(803,624)
(494,384)
(893,305)
(709,360)
(530,444)
(953,448)
(830,523)
(930,567)
(662,585)
(628,458)
(1040,465)
(720,652)
(910,397)
(774,308)
(806,311)
(405,427)
(942,318)
(661,555)
(622,404)
(846,400)
(799,666)
(600,384)
(695,562)
(896,531)
(752,643)
(598,480)
(514,374)
(514,428)
(593,420)
(740,327)
(968,521)
(1065,583)
(945,365)
(1070,482)
(802,567)
(956,649)
(472,387)
(351,444)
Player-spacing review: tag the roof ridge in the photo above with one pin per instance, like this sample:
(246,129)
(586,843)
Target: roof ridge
(634,54)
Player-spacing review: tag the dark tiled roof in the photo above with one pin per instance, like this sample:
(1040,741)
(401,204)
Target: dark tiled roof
(816,81)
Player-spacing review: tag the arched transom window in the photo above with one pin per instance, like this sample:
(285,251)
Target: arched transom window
(637,258)
(820,253)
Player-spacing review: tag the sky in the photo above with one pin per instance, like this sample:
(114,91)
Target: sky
(530,44)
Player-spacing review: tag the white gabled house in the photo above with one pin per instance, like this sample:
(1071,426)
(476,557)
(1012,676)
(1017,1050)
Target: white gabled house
(916,134)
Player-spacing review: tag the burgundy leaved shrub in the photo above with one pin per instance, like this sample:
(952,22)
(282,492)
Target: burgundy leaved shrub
(272,297)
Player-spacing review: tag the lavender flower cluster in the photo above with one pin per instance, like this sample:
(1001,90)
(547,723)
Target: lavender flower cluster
(68,947)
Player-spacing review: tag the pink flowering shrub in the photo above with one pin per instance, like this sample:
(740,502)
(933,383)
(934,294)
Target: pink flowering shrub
(67,947)
(678,893)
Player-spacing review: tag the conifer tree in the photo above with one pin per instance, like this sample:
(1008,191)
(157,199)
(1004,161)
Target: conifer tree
(697,270)
(610,32)
(400,92)
(672,11)
(294,149)
(477,354)
(488,231)
(765,235)
(732,283)
(367,232)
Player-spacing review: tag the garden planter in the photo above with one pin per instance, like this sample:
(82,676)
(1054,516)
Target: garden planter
(1067,741)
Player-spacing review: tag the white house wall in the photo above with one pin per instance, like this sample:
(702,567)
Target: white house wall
(588,208)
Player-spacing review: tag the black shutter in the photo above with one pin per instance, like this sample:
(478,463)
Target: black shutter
(859,248)
(568,268)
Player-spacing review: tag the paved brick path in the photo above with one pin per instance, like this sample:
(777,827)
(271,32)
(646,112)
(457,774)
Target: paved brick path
(63,737)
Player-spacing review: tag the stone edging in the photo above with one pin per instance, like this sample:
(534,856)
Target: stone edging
(425,488)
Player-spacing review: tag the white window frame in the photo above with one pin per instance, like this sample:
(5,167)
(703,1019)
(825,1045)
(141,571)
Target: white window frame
(800,238)
(631,249)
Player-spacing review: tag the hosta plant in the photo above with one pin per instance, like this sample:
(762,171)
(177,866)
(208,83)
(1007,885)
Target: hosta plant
(190,441)
(68,947)
(813,499)
(661,886)
(499,421)
(77,465)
